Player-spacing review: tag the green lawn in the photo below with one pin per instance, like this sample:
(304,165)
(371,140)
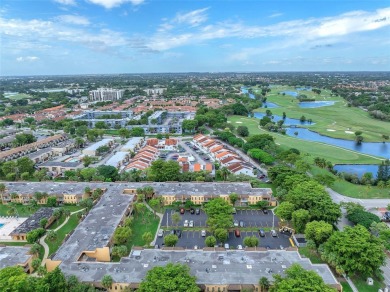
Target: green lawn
(346,287)
(352,190)
(61,233)
(17,96)
(362,286)
(142,224)
(314,257)
(329,152)
(14,243)
(338,117)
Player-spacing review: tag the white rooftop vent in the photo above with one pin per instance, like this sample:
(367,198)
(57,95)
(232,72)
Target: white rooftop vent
(249,266)
(213,266)
(146,265)
(284,267)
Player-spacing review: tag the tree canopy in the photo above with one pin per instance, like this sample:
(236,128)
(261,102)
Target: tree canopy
(172,277)
(219,213)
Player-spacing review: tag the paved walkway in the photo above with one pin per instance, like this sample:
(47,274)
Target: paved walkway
(42,239)
(159,223)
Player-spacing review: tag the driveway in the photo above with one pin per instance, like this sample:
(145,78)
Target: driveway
(192,152)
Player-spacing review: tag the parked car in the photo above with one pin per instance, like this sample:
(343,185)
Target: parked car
(203,233)
(182,210)
(192,211)
(239,247)
(234,211)
(273,233)
(235,223)
(185,223)
(197,211)
(178,233)
(262,232)
(191,224)
(237,233)
(227,245)
(156,246)
(160,233)
(265,211)
(242,224)
(173,232)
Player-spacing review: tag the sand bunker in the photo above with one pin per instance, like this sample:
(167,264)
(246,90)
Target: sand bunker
(238,122)
(349,132)
(331,130)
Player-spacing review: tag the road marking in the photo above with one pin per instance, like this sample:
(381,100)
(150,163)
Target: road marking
(292,243)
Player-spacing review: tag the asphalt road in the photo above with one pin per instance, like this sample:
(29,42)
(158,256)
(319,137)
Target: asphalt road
(367,203)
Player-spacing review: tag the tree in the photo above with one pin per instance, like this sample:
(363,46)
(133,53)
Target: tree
(285,210)
(122,235)
(119,251)
(35,264)
(43,222)
(25,164)
(52,235)
(251,241)
(325,179)
(243,131)
(210,241)
(51,201)
(262,205)
(298,279)
(354,251)
(137,132)
(107,281)
(128,222)
(34,249)
(34,235)
(172,277)
(264,283)
(221,234)
(147,237)
(299,220)
(176,218)
(124,133)
(12,279)
(224,173)
(219,214)
(87,160)
(318,232)
(108,172)
(233,197)
(40,174)
(170,240)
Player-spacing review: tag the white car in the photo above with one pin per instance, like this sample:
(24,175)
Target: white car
(160,233)
(203,233)
(239,247)
(185,223)
(191,224)
(227,246)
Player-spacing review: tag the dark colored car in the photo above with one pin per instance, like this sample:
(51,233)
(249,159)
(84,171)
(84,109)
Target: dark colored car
(197,211)
(173,232)
(178,233)
(262,232)
(192,211)
(182,210)
(237,233)
(265,211)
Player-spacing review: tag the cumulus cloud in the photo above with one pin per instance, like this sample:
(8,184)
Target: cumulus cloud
(27,59)
(66,2)
(73,19)
(108,4)
(275,15)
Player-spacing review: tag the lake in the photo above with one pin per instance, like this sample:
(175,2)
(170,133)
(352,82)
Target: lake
(292,93)
(377,149)
(287,121)
(315,104)
(358,169)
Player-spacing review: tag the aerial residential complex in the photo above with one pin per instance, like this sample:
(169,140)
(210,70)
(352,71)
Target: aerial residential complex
(86,252)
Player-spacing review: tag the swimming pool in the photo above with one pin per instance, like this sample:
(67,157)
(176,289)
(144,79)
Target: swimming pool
(1,225)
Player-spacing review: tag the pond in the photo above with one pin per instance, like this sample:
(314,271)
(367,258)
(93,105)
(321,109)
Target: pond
(358,169)
(377,149)
(315,104)
(287,121)
(292,93)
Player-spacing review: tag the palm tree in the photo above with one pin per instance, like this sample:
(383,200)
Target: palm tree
(34,249)
(264,283)
(224,173)
(107,281)
(52,235)
(149,192)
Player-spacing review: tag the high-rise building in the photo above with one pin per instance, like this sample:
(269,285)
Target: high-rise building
(104,94)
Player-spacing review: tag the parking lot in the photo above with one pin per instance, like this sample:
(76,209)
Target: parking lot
(196,155)
(251,218)
(190,239)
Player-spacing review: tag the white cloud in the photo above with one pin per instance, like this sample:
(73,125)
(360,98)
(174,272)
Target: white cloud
(73,19)
(27,59)
(115,3)
(66,2)
(192,18)
(275,15)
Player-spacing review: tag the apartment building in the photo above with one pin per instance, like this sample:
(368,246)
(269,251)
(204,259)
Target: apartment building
(16,256)
(92,149)
(105,94)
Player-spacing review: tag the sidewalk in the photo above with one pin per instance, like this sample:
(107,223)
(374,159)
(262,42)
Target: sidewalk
(159,224)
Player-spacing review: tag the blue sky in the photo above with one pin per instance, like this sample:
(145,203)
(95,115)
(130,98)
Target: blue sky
(139,36)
